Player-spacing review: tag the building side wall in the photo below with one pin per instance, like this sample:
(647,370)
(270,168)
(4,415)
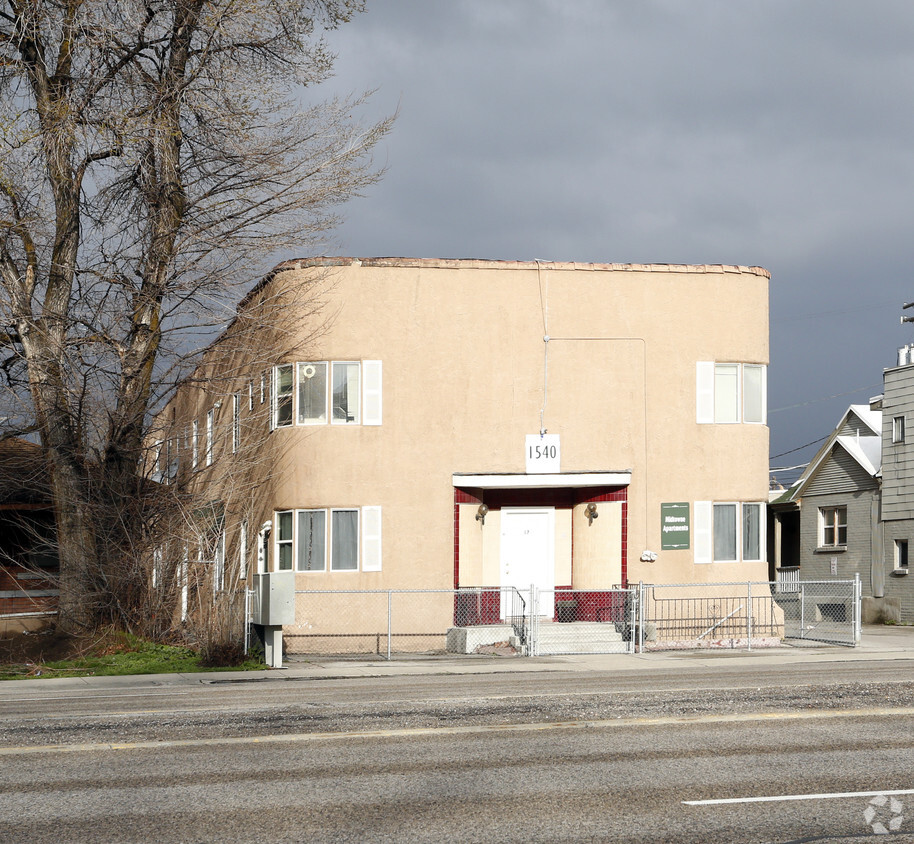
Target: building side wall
(840,473)
(898,458)
(856,556)
(899,588)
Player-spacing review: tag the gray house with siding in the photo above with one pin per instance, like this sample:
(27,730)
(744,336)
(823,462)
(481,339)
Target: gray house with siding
(852,510)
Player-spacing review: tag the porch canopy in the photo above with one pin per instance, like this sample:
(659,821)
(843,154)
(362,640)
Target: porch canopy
(557,480)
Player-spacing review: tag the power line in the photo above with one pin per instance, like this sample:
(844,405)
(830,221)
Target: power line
(868,387)
(800,448)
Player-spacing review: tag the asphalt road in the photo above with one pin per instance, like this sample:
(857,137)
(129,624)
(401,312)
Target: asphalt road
(600,756)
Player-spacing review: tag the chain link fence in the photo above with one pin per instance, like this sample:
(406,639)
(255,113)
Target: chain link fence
(409,621)
(747,615)
(538,622)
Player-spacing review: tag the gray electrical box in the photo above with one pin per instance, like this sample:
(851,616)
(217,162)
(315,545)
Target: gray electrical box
(274,598)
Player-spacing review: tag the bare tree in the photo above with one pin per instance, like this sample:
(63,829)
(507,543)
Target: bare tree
(154,155)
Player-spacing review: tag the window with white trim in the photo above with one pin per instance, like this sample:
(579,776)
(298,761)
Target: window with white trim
(901,554)
(728,393)
(832,527)
(898,429)
(327,392)
(210,424)
(284,548)
(283,383)
(236,422)
(729,531)
(336,539)
(243,550)
(194,444)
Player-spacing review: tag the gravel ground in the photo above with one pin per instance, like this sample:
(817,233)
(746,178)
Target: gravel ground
(469,711)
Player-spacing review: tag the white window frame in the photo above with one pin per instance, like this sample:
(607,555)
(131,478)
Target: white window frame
(703,531)
(898,429)
(368,393)
(275,397)
(278,541)
(236,422)
(358,418)
(707,373)
(299,370)
(208,445)
(243,550)
(828,520)
(194,444)
(368,539)
(901,554)
(219,564)
(358,534)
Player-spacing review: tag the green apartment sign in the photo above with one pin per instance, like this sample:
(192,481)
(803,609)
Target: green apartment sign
(674,526)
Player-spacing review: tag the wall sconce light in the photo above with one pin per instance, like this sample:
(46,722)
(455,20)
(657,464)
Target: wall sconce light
(591,512)
(481,513)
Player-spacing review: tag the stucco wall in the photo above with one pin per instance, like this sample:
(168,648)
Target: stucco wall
(464,381)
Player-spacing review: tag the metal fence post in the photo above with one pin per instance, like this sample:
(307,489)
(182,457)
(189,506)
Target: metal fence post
(749,615)
(389,604)
(858,613)
(802,610)
(641,617)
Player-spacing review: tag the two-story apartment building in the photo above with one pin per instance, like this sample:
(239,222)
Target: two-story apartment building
(441,423)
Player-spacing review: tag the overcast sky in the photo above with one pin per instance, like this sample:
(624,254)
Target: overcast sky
(762,132)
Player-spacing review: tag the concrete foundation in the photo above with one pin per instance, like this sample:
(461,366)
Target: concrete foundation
(465,640)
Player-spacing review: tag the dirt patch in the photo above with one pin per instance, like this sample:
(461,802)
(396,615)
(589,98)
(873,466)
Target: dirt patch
(42,646)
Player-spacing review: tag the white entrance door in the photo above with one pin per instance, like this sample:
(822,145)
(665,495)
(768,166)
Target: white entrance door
(527,549)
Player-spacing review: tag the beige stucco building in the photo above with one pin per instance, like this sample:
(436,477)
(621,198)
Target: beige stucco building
(486,423)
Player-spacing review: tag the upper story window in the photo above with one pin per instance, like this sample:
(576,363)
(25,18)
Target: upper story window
(832,527)
(327,392)
(731,392)
(898,429)
(208,446)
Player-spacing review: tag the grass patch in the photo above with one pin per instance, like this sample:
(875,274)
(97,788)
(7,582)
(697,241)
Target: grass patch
(118,654)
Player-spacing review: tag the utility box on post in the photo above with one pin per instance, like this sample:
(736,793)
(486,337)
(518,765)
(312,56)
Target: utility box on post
(274,606)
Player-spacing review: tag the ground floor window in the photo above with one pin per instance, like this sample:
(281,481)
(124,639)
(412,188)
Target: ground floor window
(832,526)
(901,553)
(335,539)
(729,531)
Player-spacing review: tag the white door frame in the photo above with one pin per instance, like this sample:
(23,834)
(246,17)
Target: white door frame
(538,571)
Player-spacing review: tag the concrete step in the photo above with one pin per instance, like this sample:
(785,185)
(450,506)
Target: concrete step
(582,637)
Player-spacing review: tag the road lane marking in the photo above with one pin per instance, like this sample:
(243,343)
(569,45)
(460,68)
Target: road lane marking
(88,697)
(834,795)
(431,732)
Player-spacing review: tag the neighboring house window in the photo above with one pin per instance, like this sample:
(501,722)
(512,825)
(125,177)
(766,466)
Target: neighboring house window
(282,395)
(322,392)
(243,551)
(898,429)
(901,553)
(728,532)
(334,539)
(210,422)
(832,526)
(236,422)
(284,541)
(731,392)
(194,439)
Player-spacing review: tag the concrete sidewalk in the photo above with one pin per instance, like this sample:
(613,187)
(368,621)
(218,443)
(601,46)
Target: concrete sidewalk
(878,643)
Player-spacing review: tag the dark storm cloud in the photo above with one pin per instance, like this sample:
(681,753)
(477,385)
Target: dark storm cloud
(718,131)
